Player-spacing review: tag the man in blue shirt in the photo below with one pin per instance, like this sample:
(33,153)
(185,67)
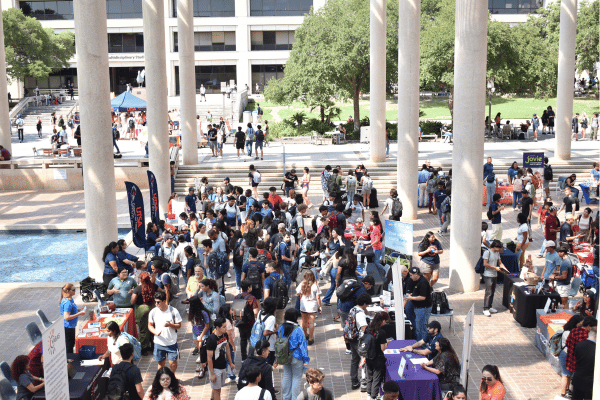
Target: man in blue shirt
(496,218)
(552,260)
(434,334)
(266,210)
(489,180)
(423,177)
(439,196)
(285,255)
(191,200)
(254,272)
(563,276)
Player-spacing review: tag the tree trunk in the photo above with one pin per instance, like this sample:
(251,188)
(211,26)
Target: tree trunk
(355,99)
(322,112)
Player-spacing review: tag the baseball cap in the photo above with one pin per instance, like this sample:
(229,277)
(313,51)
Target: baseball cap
(225,179)
(435,325)
(568,216)
(589,293)
(415,270)
(535,115)
(168,236)
(525,191)
(550,243)
(191,188)
(563,249)
(293,171)
(209,188)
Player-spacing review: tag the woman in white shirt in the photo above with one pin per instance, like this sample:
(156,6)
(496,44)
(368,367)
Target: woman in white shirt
(584,221)
(522,238)
(310,303)
(115,340)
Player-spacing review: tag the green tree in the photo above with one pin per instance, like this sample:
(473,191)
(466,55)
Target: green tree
(588,35)
(32,50)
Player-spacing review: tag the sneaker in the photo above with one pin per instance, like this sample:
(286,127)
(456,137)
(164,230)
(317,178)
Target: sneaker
(440,233)
(363,388)
(348,351)
(198,361)
(195,352)
(539,256)
(493,310)
(355,385)
(487,313)
(535,140)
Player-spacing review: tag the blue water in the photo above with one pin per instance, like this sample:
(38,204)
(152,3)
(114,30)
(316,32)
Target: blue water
(44,256)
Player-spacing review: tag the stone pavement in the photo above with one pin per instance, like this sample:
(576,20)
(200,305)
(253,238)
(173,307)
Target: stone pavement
(497,340)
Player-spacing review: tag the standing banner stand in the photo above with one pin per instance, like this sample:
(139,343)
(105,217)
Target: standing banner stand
(398,247)
(55,362)
(468,342)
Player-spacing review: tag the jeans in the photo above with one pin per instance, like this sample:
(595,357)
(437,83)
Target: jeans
(490,288)
(446,222)
(115,145)
(409,313)
(230,372)
(378,259)
(354,362)
(331,290)
(238,276)
(285,268)
(421,318)
(596,275)
(292,379)
(249,147)
(543,248)
(490,190)
(172,184)
(422,198)
(387,148)
(350,195)
(245,334)
(375,375)
(20,132)
(517,199)
(439,212)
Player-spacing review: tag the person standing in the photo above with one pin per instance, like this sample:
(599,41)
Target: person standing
(563,276)
(429,250)
(420,297)
(325,176)
(250,136)
(553,261)
(535,122)
(20,125)
(376,366)
(492,265)
(70,313)
(38,126)
(254,179)
(212,140)
(583,377)
(292,372)
(438,197)
(491,387)
(357,325)
(260,140)
(253,375)
(289,181)
(595,124)
(575,126)
(423,177)
(551,116)
(240,138)
(132,375)
(163,322)
(584,125)
(202,93)
(495,211)
(490,181)
(260,364)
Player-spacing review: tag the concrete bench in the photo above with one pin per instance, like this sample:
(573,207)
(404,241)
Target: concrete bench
(296,139)
(434,137)
(12,164)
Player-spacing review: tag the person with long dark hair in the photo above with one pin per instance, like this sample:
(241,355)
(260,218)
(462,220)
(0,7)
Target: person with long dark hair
(114,341)
(226,313)
(429,250)
(292,372)
(566,375)
(124,259)
(491,387)
(376,234)
(445,365)
(458,393)
(111,263)
(376,367)
(166,386)
(19,370)
(143,300)
(201,327)
(70,313)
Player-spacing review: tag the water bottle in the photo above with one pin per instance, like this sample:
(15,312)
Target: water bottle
(365,264)
(438,309)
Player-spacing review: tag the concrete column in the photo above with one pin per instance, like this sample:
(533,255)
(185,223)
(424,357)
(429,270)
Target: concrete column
(566,73)
(470,60)
(187,81)
(378,37)
(409,29)
(156,86)
(97,145)
(4,126)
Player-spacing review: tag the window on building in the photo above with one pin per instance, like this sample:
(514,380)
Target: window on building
(210,41)
(125,43)
(210,8)
(262,74)
(116,9)
(514,6)
(260,8)
(63,9)
(210,76)
(271,40)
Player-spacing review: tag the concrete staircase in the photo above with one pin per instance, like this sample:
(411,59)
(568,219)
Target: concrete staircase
(30,114)
(384,175)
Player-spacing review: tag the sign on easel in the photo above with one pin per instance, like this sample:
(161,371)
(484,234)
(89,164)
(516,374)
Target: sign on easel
(401,368)
(468,342)
(55,362)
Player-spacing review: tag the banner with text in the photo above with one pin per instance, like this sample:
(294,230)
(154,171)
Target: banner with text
(398,241)
(55,362)
(154,215)
(533,160)
(135,201)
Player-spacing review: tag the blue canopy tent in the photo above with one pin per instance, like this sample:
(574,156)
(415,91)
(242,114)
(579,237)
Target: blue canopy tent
(127,102)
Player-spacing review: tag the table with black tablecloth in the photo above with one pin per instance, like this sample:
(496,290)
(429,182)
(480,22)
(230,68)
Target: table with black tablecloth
(91,386)
(416,384)
(510,261)
(522,303)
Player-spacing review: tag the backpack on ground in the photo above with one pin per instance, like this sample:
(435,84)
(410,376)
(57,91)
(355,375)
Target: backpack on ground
(548,175)
(253,275)
(555,343)
(490,215)
(396,208)
(280,292)
(283,353)
(137,346)
(347,289)
(332,184)
(117,386)
(350,328)
(258,329)
(366,346)
(439,303)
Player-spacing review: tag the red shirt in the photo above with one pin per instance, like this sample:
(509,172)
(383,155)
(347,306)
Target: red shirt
(35,360)
(551,223)
(576,336)
(376,238)
(5,154)
(273,199)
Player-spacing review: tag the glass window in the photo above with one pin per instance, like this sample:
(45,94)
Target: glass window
(48,10)
(269,37)
(513,6)
(279,7)
(210,76)
(261,74)
(210,8)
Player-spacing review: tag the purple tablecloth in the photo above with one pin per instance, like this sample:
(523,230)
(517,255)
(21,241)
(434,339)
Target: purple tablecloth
(419,384)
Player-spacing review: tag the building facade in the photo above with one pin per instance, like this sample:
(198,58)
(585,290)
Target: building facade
(247,41)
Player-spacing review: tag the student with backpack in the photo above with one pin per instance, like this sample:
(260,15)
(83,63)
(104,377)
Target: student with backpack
(125,377)
(250,136)
(218,354)
(371,346)
(291,351)
(494,215)
(367,186)
(248,317)
(163,323)
(252,391)
(254,272)
(201,327)
(548,176)
(276,287)
(254,179)
(115,340)
(265,328)
(354,327)
(260,364)
(393,205)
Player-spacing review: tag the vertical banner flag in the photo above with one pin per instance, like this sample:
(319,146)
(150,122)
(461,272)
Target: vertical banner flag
(54,350)
(533,160)
(398,252)
(468,342)
(153,198)
(135,202)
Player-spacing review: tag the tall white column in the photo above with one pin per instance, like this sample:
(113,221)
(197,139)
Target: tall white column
(96,143)
(4,126)
(566,73)
(377,73)
(409,29)
(187,81)
(470,60)
(156,86)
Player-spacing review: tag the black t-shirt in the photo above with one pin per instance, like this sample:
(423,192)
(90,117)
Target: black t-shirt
(570,201)
(526,203)
(565,231)
(380,338)
(422,288)
(290,184)
(212,134)
(133,376)
(218,345)
(139,300)
(240,137)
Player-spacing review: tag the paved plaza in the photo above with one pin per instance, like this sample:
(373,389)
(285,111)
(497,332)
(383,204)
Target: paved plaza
(497,340)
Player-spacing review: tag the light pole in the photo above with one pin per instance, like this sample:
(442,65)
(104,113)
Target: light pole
(490,86)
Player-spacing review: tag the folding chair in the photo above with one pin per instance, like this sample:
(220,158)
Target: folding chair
(43,319)
(560,184)
(6,372)
(35,335)
(7,392)
(450,315)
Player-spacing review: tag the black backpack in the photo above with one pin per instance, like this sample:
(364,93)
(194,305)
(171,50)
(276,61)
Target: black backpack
(491,177)
(280,292)
(366,346)
(260,136)
(548,175)
(396,210)
(238,260)
(347,289)
(489,213)
(117,386)
(439,303)
(253,275)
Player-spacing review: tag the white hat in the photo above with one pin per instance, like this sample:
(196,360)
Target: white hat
(550,243)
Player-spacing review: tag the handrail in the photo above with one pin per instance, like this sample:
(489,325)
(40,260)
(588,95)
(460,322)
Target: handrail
(21,105)
(73,109)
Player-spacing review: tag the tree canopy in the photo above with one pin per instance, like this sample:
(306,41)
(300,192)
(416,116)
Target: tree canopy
(32,50)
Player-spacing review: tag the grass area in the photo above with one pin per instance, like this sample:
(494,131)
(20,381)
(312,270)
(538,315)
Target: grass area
(514,108)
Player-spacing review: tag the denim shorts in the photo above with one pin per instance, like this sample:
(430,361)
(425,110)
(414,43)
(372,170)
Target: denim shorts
(258,144)
(220,146)
(166,352)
